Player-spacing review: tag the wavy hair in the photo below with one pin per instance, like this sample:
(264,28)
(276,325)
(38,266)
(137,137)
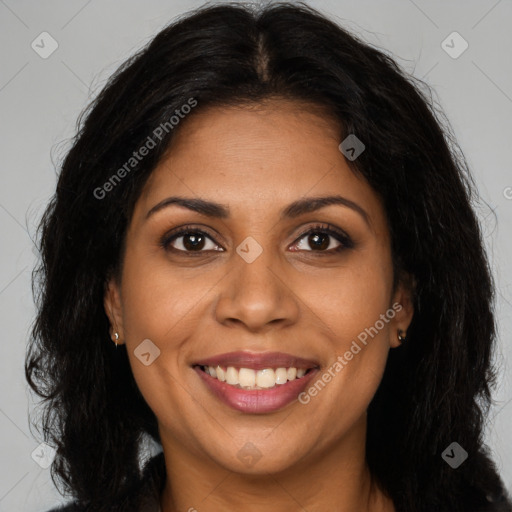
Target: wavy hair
(436,387)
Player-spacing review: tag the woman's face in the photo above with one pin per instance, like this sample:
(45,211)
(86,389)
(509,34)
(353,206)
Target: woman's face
(248,281)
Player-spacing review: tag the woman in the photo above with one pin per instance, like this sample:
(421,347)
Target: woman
(258,255)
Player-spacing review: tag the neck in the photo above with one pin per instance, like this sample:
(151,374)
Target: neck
(335,479)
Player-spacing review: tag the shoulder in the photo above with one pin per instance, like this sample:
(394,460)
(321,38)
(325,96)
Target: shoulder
(143,497)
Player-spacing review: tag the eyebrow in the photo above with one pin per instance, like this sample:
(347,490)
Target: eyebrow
(295,209)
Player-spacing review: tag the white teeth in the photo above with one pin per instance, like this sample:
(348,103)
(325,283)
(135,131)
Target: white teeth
(221,374)
(232,376)
(281,376)
(266,378)
(247,378)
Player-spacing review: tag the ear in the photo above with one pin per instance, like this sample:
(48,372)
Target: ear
(403,305)
(113,309)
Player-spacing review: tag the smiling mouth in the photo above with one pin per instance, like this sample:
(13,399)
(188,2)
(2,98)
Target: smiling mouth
(251,379)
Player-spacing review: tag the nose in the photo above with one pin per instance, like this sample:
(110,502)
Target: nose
(256,295)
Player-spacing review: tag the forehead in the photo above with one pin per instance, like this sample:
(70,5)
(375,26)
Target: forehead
(241,133)
(257,156)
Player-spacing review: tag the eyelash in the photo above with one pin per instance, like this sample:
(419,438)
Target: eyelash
(345,241)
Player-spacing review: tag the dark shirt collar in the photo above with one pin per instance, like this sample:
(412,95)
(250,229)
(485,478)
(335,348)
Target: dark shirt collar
(152,484)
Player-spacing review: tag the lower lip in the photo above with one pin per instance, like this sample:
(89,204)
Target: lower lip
(257,401)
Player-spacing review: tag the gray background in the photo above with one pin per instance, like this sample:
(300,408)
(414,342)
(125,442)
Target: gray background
(40,100)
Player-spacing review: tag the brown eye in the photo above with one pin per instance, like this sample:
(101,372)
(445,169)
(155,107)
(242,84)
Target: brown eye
(318,241)
(188,240)
(193,241)
(324,239)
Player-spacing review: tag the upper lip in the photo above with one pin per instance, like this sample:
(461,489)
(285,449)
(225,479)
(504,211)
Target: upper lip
(258,360)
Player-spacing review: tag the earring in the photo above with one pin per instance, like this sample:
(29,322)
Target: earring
(401,338)
(117,338)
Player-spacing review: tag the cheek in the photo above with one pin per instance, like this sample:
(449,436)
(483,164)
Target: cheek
(365,323)
(158,300)
(351,299)
(353,307)
(161,306)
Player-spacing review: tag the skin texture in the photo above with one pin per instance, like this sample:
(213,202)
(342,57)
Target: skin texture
(256,161)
